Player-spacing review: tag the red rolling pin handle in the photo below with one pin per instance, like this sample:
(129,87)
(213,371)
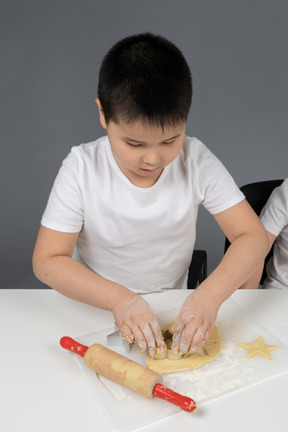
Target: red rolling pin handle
(160,391)
(183,402)
(71,345)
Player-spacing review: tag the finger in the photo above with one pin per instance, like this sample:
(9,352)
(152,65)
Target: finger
(157,332)
(150,339)
(196,341)
(139,338)
(206,335)
(187,338)
(127,334)
(178,330)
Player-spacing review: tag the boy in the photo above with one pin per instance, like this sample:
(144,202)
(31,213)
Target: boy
(274,217)
(129,201)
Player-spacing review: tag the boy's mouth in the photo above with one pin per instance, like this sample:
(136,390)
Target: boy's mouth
(149,171)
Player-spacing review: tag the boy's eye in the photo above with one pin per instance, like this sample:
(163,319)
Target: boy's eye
(133,144)
(136,144)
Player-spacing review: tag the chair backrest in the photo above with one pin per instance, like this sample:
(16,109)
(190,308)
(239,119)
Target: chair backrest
(257,195)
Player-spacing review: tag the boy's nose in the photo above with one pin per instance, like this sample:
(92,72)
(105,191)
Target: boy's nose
(151,157)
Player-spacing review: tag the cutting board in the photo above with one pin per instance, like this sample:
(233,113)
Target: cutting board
(231,371)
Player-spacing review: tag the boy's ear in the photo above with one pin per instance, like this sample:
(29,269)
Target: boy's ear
(102,117)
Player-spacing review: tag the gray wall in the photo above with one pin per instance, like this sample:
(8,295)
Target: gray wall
(50,55)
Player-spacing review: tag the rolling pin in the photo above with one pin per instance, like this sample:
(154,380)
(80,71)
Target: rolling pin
(126,372)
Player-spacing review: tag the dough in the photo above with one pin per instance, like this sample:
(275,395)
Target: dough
(258,347)
(207,353)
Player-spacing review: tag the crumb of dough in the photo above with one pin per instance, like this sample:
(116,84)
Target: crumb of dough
(258,348)
(208,352)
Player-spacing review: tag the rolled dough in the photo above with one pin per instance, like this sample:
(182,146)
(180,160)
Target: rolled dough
(207,353)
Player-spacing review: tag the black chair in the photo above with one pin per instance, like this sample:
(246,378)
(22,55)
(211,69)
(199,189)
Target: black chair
(198,269)
(257,195)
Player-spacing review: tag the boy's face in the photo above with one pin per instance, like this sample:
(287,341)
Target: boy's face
(142,152)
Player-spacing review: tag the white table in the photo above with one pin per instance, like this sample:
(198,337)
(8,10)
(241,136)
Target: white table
(42,391)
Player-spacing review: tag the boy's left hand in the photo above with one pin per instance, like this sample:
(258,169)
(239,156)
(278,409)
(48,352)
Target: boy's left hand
(195,322)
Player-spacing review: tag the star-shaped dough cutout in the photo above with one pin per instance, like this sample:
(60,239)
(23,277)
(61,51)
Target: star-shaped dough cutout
(258,347)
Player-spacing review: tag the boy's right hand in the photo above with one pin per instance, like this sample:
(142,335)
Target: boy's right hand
(136,322)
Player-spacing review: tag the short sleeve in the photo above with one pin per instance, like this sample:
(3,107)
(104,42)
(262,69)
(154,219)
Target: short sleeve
(64,211)
(274,215)
(218,191)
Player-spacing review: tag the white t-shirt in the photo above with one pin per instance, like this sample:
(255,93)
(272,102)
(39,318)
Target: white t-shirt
(274,217)
(140,238)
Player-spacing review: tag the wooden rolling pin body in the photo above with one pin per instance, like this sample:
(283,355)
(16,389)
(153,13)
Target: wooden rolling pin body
(132,375)
(122,370)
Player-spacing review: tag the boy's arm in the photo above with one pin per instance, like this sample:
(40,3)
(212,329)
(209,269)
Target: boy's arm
(254,280)
(53,264)
(249,246)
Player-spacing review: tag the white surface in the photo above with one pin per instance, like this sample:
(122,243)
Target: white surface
(231,371)
(43,387)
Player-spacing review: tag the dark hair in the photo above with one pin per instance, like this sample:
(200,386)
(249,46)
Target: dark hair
(145,77)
